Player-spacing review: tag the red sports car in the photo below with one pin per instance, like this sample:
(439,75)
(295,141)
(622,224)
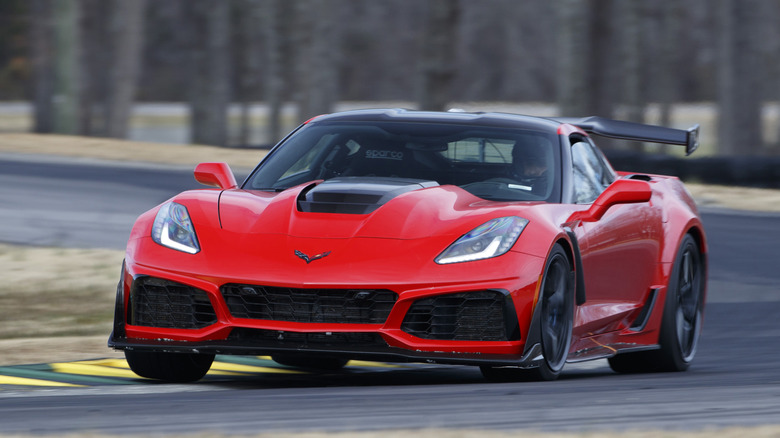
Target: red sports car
(497,240)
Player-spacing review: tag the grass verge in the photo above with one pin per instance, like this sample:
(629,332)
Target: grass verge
(52,293)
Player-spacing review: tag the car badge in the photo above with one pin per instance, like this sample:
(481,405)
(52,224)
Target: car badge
(308,259)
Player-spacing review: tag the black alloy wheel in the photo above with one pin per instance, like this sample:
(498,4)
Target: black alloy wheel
(556,322)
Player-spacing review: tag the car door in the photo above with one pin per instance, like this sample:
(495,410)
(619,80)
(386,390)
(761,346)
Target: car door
(619,251)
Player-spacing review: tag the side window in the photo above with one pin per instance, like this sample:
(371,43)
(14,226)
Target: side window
(591,177)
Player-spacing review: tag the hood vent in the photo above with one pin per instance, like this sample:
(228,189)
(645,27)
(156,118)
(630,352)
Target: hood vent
(356,194)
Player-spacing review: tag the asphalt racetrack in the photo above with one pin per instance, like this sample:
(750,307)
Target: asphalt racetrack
(734,380)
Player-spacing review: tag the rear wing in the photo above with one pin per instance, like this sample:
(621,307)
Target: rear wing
(637,131)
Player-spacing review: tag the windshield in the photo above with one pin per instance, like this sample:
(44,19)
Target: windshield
(492,163)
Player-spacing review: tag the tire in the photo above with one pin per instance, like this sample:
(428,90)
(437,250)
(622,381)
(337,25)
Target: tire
(681,321)
(556,320)
(171,367)
(320,363)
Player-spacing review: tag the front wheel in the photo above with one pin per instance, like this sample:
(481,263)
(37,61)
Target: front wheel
(556,316)
(171,367)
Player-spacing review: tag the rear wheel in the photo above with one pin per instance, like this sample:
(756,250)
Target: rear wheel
(555,323)
(323,363)
(682,318)
(171,367)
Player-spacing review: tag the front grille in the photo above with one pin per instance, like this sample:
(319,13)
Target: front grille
(348,306)
(466,316)
(155,302)
(276,338)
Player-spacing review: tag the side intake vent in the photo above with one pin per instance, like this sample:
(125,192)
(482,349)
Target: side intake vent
(356,194)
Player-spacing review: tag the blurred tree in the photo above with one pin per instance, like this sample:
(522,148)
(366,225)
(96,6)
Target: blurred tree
(42,55)
(588,56)
(740,77)
(481,41)
(167,60)
(317,56)
(249,52)
(530,54)
(668,91)
(67,68)
(603,56)
(631,71)
(574,47)
(437,66)
(95,61)
(126,38)
(210,90)
(276,16)
(15,59)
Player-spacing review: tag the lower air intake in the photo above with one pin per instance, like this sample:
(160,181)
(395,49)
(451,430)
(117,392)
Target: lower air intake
(466,316)
(347,306)
(155,302)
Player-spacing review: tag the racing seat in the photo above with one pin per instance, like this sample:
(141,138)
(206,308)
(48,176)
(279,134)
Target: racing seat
(386,159)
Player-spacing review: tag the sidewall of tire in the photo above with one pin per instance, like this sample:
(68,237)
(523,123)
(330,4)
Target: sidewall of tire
(670,355)
(171,367)
(544,371)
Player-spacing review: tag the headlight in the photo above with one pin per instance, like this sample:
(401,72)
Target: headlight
(490,239)
(173,228)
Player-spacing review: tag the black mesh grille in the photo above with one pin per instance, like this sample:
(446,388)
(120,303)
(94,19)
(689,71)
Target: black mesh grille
(161,303)
(349,306)
(275,338)
(467,316)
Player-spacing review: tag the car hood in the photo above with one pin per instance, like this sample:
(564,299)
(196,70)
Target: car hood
(388,208)
(245,235)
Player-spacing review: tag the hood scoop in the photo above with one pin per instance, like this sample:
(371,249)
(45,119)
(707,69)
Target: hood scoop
(356,194)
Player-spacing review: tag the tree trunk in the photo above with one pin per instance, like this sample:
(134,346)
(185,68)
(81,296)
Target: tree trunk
(42,65)
(276,15)
(668,90)
(126,37)
(632,54)
(601,90)
(573,58)
(317,61)
(211,75)
(740,78)
(67,86)
(438,54)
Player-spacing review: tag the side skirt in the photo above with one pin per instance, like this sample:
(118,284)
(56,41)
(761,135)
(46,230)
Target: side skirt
(606,351)
(605,345)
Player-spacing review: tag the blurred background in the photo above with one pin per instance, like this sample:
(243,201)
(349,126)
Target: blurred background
(241,73)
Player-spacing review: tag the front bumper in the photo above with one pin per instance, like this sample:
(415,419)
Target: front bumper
(395,338)
(528,359)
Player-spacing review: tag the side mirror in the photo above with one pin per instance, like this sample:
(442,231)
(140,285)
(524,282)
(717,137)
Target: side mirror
(215,175)
(622,191)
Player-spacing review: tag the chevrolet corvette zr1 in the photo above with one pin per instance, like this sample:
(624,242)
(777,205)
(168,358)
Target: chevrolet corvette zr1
(502,241)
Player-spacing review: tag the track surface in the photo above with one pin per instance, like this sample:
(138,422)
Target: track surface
(734,379)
